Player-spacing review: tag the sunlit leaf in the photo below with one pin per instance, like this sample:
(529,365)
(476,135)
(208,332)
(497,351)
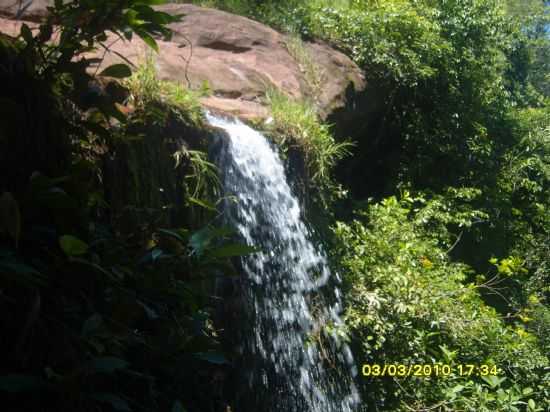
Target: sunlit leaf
(202,203)
(119,71)
(147,38)
(72,246)
(493,381)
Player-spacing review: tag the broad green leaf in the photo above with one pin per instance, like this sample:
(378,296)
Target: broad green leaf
(10,217)
(179,234)
(108,364)
(493,381)
(26,34)
(119,71)
(72,246)
(201,239)
(157,17)
(147,38)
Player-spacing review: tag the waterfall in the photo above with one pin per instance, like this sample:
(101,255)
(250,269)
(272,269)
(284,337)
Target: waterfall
(294,358)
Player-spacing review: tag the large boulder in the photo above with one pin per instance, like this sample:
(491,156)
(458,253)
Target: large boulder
(238,58)
(31,10)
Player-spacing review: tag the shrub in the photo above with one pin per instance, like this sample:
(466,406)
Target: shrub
(408,303)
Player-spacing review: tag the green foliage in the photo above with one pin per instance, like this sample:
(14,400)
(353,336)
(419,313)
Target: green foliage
(530,55)
(314,74)
(145,87)
(81,28)
(296,124)
(118,311)
(389,39)
(408,303)
(97,314)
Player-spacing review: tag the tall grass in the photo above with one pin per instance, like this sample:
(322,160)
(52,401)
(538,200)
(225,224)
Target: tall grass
(145,87)
(313,73)
(296,123)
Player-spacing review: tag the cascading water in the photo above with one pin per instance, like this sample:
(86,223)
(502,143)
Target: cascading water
(295,360)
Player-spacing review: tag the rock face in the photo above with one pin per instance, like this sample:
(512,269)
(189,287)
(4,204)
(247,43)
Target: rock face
(238,58)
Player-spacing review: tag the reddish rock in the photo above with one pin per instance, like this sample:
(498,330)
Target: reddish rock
(238,58)
(30,10)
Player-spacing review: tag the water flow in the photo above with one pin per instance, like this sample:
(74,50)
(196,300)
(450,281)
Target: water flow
(295,360)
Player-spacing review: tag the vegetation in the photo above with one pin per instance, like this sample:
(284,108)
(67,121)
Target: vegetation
(442,234)
(443,240)
(145,87)
(408,303)
(295,123)
(105,285)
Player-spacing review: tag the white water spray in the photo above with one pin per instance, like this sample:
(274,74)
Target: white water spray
(296,361)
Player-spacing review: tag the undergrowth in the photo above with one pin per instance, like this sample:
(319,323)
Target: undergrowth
(313,73)
(145,86)
(296,124)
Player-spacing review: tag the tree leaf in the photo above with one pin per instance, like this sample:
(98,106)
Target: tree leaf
(72,246)
(147,38)
(176,234)
(26,33)
(201,239)
(493,381)
(119,71)
(10,217)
